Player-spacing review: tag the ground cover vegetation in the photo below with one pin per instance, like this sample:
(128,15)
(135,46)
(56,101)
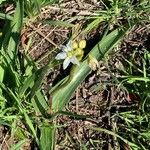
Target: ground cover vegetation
(74,74)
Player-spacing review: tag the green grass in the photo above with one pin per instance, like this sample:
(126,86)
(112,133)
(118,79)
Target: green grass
(27,111)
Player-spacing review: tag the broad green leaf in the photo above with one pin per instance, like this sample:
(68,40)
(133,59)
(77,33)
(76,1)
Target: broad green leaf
(62,94)
(47,138)
(20,133)
(2,99)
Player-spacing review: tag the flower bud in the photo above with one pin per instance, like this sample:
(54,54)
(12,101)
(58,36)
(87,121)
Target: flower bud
(82,44)
(93,63)
(74,45)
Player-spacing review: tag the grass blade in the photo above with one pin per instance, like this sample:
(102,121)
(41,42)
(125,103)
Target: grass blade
(16,29)
(19,145)
(113,134)
(39,103)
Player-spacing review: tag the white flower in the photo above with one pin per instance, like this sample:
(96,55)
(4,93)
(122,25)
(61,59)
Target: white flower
(68,55)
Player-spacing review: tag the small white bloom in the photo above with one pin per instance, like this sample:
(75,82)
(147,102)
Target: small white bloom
(68,55)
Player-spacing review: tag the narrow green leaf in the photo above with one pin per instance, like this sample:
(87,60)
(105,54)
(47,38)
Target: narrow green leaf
(39,75)
(93,24)
(29,123)
(39,103)
(29,82)
(37,4)
(16,29)
(1,77)
(19,145)
(114,134)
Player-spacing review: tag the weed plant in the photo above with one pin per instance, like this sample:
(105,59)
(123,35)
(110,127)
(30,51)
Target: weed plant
(29,113)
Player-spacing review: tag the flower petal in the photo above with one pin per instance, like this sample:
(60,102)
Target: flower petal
(66,63)
(74,60)
(69,46)
(61,55)
(63,48)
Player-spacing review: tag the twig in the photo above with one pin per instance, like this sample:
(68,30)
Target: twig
(40,33)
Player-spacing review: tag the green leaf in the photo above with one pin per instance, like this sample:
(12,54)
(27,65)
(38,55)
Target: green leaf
(2,1)
(37,4)
(20,133)
(16,26)
(5,16)
(47,138)
(39,103)
(1,79)
(30,124)
(19,145)
(93,24)
(62,94)
(146,134)
(29,82)
(22,110)
(114,134)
